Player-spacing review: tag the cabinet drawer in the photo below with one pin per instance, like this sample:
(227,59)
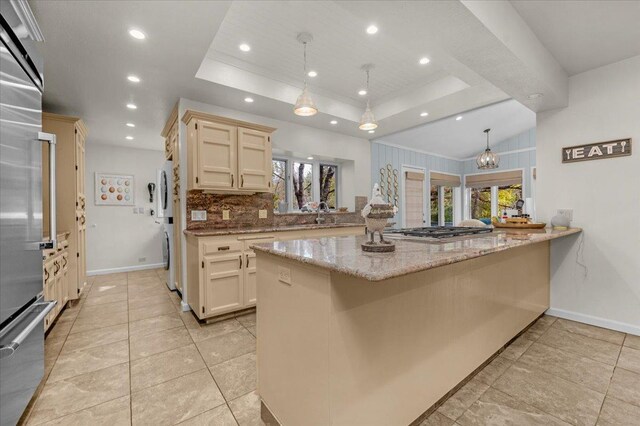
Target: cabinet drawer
(214,247)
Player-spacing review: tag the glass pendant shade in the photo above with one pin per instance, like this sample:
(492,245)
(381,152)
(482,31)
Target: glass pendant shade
(304,105)
(488,160)
(368,121)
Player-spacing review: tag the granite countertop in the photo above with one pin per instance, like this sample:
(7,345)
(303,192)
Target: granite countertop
(270,228)
(343,254)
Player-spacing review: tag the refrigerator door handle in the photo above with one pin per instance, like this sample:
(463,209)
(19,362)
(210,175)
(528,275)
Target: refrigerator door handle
(50,138)
(11,348)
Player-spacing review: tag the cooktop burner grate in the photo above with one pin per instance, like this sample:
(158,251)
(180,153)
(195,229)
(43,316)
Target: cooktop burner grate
(439,231)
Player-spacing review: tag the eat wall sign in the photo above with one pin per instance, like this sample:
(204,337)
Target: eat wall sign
(596,151)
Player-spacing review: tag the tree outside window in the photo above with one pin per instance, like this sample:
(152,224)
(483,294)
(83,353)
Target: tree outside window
(328,179)
(302,178)
(279,181)
(435,207)
(508,195)
(481,203)
(448,205)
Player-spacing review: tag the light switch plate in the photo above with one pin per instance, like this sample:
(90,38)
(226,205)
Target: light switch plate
(135,210)
(568,213)
(284,275)
(226,214)
(140,210)
(262,214)
(198,215)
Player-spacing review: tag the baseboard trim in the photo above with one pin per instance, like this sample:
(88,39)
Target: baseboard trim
(125,269)
(597,321)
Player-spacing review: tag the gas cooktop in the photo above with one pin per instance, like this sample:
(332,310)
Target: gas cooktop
(437,232)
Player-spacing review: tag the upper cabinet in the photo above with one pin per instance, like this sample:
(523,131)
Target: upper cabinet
(226,155)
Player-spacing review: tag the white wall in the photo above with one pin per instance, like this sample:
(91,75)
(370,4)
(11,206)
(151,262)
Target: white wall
(604,104)
(117,238)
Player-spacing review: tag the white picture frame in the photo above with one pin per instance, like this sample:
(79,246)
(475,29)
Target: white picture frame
(114,189)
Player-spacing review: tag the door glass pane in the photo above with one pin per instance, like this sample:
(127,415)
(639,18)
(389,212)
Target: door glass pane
(434,205)
(481,203)
(448,205)
(302,177)
(278,181)
(328,182)
(508,195)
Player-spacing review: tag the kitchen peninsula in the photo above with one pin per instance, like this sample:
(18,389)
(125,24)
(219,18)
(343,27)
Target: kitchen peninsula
(348,338)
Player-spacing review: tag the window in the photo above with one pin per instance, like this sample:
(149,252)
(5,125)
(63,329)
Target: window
(480,203)
(435,206)
(279,181)
(328,184)
(302,179)
(508,195)
(448,204)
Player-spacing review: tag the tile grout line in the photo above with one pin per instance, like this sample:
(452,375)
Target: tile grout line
(610,380)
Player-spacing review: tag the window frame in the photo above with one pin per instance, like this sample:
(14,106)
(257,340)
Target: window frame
(287,173)
(494,193)
(456,195)
(315,183)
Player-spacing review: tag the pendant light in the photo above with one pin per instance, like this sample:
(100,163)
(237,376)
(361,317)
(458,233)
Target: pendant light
(488,160)
(304,105)
(368,121)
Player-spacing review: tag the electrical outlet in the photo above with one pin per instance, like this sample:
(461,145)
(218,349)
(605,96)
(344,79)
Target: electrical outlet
(141,210)
(284,275)
(135,210)
(568,213)
(142,259)
(226,214)
(198,215)
(262,214)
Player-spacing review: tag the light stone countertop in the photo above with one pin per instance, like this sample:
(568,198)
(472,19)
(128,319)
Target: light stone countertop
(270,228)
(343,254)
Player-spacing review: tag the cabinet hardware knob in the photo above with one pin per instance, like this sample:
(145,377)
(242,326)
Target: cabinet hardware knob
(231,179)
(240,259)
(247,265)
(242,180)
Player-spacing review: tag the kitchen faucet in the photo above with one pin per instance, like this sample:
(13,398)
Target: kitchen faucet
(319,219)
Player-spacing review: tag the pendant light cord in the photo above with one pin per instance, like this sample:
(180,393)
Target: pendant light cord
(368,94)
(305,64)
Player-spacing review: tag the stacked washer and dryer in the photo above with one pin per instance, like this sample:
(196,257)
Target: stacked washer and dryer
(165,214)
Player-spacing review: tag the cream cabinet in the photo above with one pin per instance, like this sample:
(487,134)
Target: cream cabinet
(221,270)
(55,280)
(71,198)
(226,155)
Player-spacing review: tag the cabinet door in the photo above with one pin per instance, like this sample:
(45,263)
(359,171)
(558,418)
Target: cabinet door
(222,281)
(250,282)
(254,159)
(217,156)
(79,143)
(81,265)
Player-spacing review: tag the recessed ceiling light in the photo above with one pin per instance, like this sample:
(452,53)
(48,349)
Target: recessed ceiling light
(131,125)
(309,158)
(424,114)
(424,61)
(535,95)
(132,106)
(248,100)
(137,34)
(133,78)
(362,92)
(372,29)
(334,122)
(130,138)
(244,47)
(458,118)
(372,131)
(312,74)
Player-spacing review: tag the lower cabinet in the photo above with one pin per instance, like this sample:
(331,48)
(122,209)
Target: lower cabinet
(55,285)
(221,270)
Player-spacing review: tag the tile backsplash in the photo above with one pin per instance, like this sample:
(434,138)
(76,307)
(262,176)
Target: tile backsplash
(244,212)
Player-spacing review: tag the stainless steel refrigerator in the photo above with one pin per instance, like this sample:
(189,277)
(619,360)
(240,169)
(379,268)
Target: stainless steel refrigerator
(22,308)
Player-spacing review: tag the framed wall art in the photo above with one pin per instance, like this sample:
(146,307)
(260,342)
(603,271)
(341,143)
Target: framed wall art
(114,189)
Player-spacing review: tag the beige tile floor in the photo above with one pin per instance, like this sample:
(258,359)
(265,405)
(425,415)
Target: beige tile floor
(125,354)
(558,372)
